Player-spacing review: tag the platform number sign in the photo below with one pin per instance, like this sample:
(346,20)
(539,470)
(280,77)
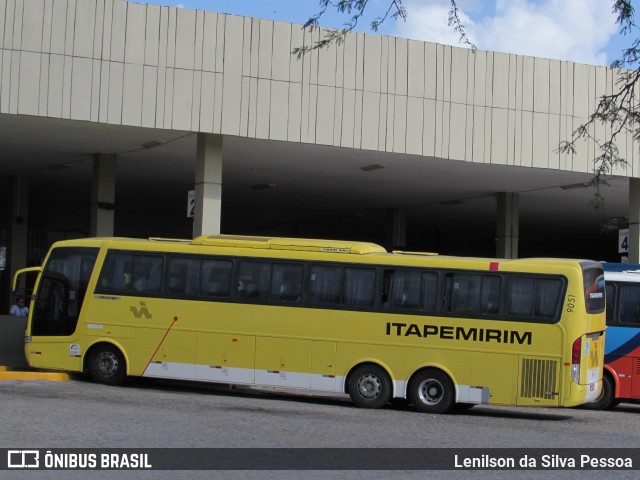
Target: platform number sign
(191,204)
(623,240)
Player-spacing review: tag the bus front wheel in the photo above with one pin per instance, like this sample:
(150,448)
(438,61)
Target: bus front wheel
(369,386)
(431,391)
(107,365)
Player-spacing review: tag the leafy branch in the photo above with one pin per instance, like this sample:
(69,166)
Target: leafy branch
(617,111)
(356,9)
(458,27)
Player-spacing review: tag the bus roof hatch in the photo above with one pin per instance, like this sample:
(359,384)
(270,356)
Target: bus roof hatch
(300,244)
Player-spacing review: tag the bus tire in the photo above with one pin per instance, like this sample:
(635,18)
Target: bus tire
(369,386)
(107,365)
(432,391)
(606,398)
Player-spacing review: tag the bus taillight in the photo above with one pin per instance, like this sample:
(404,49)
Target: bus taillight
(576,350)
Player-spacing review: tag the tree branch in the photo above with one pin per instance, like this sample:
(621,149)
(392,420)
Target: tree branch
(618,112)
(458,27)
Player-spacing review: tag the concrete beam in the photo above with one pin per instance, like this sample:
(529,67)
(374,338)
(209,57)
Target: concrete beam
(508,225)
(208,185)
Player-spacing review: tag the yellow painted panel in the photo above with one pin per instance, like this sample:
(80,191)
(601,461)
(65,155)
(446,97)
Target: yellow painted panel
(177,347)
(323,358)
(283,354)
(497,372)
(55,355)
(111,331)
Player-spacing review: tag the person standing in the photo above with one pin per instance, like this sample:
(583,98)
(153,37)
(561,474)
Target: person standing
(19,308)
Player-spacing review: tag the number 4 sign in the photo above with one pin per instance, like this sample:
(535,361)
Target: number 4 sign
(623,240)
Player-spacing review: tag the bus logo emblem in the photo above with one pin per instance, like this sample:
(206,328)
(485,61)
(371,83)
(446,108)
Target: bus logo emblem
(23,459)
(143,311)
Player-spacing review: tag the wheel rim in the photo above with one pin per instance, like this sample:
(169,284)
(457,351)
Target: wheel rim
(107,364)
(369,386)
(431,391)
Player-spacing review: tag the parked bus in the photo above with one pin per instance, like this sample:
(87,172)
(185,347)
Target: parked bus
(323,315)
(621,379)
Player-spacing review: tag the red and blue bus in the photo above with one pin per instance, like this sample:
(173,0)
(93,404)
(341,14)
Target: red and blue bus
(621,379)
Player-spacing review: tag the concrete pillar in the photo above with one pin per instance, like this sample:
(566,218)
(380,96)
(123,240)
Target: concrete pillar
(396,231)
(208,176)
(18,226)
(634,220)
(507,225)
(103,195)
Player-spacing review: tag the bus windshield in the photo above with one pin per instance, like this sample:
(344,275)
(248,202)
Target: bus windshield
(61,290)
(594,296)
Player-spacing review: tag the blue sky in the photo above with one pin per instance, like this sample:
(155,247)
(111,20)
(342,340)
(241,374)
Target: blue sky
(579,30)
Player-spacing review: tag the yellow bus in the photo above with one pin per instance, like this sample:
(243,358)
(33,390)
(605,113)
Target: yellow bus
(334,316)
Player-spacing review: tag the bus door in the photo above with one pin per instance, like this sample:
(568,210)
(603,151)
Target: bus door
(57,306)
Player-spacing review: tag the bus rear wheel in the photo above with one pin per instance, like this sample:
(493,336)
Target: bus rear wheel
(431,391)
(606,398)
(107,365)
(369,386)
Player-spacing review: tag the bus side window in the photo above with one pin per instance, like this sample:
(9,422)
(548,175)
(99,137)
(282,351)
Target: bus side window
(253,280)
(403,289)
(490,295)
(446,293)
(359,287)
(182,276)
(216,278)
(286,284)
(474,294)
(116,272)
(629,303)
(610,295)
(325,285)
(520,296)
(546,299)
(465,293)
(429,291)
(147,273)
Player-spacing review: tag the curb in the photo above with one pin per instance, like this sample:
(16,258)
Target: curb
(6,373)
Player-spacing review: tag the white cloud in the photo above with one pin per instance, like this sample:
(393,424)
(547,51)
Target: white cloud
(576,30)
(428,20)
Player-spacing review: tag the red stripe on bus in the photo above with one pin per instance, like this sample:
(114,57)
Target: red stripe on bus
(175,319)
